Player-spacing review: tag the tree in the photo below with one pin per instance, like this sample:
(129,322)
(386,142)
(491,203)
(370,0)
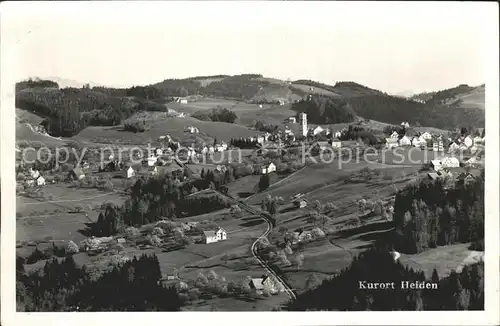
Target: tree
(142,208)
(312,281)
(264,182)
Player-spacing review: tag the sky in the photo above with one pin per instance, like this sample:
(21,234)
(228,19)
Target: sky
(394,47)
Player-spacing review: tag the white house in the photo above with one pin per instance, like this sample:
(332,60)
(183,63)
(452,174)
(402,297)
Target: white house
(292,120)
(214,236)
(426,136)
(478,140)
(220,147)
(152,160)
(415,142)
(181,114)
(130,172)
(193,130)
(318,130)
(336,143)
(268,169)
(450,162)
(453,147)
(260,139)
(40,181)
(391,143)
(159,152)
(468,141)
(436,165)
(405,141)
(405,124)
(281,102)
(337,134)
(395,135)
(34,174)
(183,101)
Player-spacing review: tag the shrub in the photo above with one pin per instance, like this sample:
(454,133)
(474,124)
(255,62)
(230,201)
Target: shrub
(72,247)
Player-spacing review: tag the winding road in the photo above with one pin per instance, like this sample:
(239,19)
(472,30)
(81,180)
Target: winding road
(252,210)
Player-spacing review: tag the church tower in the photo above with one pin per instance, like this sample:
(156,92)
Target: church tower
(303,123)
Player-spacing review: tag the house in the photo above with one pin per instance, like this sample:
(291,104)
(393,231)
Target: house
(34,174)
(474,162)
(469,177)
(221,147)
(152,160)
(193,130)
(30,183)
(478,140)
(404,141)
(323,145)
(317,130)
(159,152)
(426,136)
(450,162)
(269,168)
(433,175)
(292,120)
(153,170)
(391,143)
(468,141)
(214,236)
(183,101)
(337,134)
(130,172)
(453,147)
(415,142)
(281,102)
(40,181)
(336,143)
(299,201)
(221,168)
(181,114)
(76,174)
(436,165)
(405,124)
(395,135)
(259,285)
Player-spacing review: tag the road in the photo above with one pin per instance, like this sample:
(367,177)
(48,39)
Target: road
(252,210)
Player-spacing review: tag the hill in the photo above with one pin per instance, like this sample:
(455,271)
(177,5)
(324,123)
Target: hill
(160,124)
(323,109)
(463,96)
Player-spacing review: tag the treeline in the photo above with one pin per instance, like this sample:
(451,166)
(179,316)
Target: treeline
(429,214)
(243,143)
(464,291)
(62,286)
(358,132)
(448,94)
(325,110)
(67,111)
(345,89)
(218,114)
(37,82)
(394,110)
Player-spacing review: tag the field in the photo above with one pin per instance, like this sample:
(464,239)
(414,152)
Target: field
(56,218)
(316,90)
(407,156)
(175,127)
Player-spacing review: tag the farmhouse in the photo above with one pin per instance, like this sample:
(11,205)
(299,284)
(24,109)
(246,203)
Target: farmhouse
(192,130)
(468,141)
(221,147)
(292,120)
(259,285)
(415,142)
(76,174)
(391,143)
(34,174)
(336,143)
(436,165)
(474,162)
(405,124)
(130,172)
(40,181)
(281,102)
(433,175)
(269,168)
(404,141)
(469,177)
(426,136)
(395,135)
(298,201)
(453,147)
(450,162)
(317,130)
(337,134)
(152,160)
(214,236)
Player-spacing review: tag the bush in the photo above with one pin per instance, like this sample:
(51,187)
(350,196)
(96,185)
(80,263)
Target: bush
(72,247)
(132,231)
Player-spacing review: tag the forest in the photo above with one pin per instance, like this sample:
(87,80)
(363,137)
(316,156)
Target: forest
(325,110)
(431,214)
(63,286)
(463,291)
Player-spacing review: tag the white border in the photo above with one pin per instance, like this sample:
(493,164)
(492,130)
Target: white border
(240,10)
